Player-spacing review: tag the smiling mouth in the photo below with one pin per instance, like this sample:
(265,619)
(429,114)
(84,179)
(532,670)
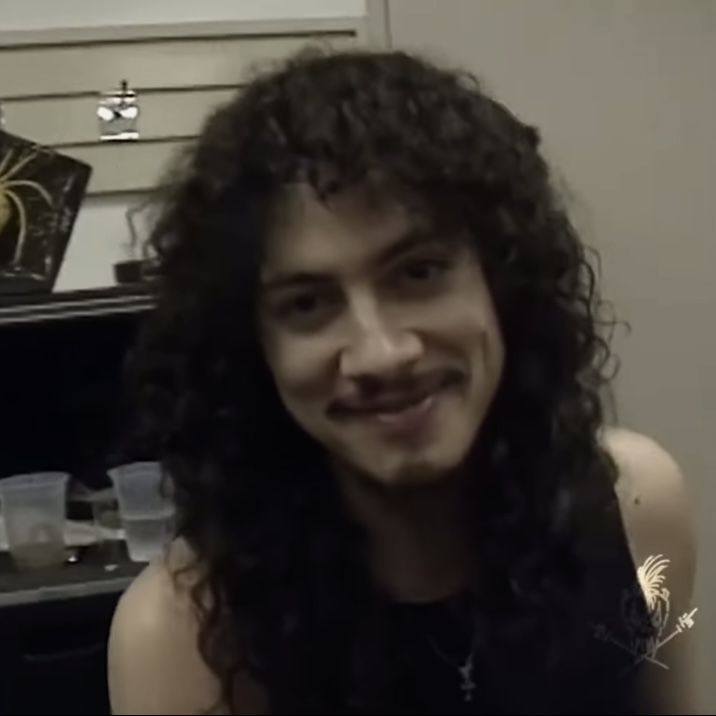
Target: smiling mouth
(408,412)
(390,409)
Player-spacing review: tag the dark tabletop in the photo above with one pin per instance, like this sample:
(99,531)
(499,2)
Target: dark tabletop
(99,570)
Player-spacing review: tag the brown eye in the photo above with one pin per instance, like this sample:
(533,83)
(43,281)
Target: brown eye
(307,310)
(423,271)
(303,305)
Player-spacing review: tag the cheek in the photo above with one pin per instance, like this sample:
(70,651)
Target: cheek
(484,322)
(467,313)
(469,321)
(298,365)
(492,348)
(492,337)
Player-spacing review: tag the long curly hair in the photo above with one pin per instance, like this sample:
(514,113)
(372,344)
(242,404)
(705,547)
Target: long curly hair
(290,599)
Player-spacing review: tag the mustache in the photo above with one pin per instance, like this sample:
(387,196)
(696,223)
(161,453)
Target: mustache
(386,395)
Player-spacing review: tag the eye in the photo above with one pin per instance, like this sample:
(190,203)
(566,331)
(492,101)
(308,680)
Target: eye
(419,271)
(306,310)
(303,304)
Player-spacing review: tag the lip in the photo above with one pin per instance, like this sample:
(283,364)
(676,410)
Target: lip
(391,416)
(407,423)
(411,420)
(392,403)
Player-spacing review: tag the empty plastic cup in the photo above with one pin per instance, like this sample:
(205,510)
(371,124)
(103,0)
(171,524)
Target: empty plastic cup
(147,514)
(34,510)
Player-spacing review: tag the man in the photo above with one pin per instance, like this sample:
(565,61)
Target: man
(374,374)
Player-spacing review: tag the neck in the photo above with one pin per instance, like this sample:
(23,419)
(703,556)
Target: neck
(417,548)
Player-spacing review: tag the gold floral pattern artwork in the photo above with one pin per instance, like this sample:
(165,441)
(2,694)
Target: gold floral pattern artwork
(40,194)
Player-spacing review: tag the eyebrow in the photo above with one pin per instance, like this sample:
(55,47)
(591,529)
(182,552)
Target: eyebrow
(413,238)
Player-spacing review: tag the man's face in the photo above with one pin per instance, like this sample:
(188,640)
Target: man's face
(381,336)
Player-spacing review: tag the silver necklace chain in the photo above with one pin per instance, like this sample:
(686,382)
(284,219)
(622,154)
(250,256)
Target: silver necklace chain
(465,669)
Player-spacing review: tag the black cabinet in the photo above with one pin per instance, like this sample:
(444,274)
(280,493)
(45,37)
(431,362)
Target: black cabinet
(53,656)
(62,367)
(62,358)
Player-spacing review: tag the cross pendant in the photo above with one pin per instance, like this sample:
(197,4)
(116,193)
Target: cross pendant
(468,685)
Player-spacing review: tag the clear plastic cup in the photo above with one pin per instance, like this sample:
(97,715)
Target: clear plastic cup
(147,513)
(34,510)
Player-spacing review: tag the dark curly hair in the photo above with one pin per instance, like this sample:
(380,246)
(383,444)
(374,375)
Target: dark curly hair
(291,602)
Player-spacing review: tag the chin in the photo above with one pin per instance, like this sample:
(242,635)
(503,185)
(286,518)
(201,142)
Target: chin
(430,461)
(411,470)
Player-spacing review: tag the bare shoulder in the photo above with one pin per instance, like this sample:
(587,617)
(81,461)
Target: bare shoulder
(656,512)
(655,503)
(154,665)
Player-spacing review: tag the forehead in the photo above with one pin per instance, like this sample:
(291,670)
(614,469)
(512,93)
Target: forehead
(345,230)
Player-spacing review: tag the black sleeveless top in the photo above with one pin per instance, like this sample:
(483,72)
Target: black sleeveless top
(430,662)
(596,671)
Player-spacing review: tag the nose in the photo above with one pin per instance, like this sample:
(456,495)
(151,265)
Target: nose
(378,348)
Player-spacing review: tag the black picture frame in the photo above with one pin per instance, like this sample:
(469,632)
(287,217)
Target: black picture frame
(41,191)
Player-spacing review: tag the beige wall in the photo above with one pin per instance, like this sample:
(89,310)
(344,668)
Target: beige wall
(625,94)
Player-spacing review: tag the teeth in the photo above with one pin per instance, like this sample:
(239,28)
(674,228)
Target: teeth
(399,407)
(395,416)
